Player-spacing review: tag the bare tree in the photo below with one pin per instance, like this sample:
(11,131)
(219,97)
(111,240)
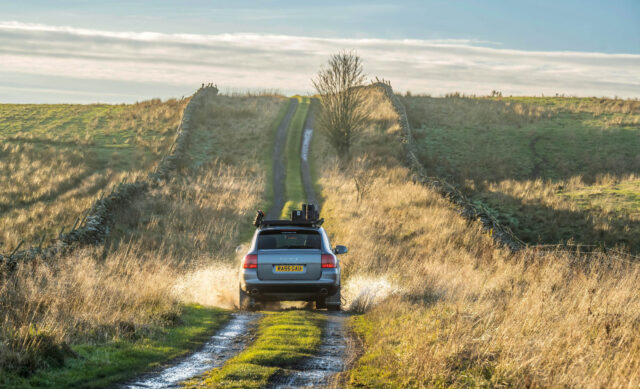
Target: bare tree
(343,115)
(363,176)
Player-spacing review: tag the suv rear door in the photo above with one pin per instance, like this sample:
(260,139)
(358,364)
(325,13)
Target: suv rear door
(289,254)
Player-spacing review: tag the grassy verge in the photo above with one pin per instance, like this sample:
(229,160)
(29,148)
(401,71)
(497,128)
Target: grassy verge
(294,190)
(283,339)
(98,366)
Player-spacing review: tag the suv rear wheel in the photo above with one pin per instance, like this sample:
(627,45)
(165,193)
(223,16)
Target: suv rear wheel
(321,303)
(334,301)
(248,302)
(244,300)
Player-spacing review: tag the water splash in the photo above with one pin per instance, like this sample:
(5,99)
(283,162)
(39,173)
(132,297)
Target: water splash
(363,292)
(214,285)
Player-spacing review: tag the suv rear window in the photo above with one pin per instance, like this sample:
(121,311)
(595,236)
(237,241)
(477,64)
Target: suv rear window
(288,239)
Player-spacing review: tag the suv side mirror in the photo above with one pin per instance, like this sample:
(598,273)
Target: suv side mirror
(340,250)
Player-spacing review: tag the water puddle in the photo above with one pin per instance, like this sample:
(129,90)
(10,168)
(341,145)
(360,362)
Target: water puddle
(319,370)
(227,342)
(306,142)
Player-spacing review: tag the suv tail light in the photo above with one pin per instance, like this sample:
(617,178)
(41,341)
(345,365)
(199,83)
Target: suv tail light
(328,261)
(250,261)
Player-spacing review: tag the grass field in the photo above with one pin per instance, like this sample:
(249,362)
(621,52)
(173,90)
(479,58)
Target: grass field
(56,159)
(552,169)
(445,306)
(174,246)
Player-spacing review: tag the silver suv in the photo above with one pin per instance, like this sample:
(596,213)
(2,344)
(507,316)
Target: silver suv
(291,260)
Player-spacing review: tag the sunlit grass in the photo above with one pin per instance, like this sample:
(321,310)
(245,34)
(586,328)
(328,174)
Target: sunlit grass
(56,159)
(113,362)
(283,339)
(463,311)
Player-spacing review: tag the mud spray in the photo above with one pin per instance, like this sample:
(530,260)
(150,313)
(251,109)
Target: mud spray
(213,285)
(361,293)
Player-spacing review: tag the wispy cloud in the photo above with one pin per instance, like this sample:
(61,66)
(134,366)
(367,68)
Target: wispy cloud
(170,61)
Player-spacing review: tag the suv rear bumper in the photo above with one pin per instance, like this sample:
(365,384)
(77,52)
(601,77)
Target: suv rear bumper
(290,290)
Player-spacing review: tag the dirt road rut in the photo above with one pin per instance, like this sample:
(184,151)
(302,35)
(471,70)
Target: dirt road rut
(226,343)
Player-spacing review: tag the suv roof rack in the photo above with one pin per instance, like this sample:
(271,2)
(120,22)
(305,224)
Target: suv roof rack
(307,217)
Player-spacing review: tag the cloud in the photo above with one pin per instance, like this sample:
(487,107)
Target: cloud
(183,61)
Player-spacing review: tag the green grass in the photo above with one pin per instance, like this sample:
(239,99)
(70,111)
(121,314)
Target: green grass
(284,338)
(622,197)
(547,167)
(102,130)
(294,189)
(384,363)
(368,371)
(103,365)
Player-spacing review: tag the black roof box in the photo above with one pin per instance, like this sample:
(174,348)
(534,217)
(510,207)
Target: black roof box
(307,217)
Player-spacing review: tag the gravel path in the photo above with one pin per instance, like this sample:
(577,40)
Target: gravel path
(319,370)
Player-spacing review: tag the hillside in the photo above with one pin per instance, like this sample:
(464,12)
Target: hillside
(55,160)
(553,169)
(447,306)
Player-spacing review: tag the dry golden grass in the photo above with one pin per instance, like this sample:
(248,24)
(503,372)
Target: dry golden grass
(56,159)
(179,233)
(456,310)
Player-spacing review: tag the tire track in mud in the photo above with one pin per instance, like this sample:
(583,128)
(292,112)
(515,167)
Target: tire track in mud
(321,369)
(226,343)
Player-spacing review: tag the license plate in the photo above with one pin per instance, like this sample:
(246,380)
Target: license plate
(289,268)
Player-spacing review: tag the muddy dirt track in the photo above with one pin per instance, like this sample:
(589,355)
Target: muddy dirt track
(279,161)
(319,370)
(226,343)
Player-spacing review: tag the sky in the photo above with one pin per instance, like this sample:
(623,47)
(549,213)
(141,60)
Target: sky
(124,51)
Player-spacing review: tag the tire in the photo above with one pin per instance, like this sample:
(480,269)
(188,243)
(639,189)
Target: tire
(244,301)
(334,302)
(321,303)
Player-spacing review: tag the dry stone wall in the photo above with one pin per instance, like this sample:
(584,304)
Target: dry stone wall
(94,226)
(466,207)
